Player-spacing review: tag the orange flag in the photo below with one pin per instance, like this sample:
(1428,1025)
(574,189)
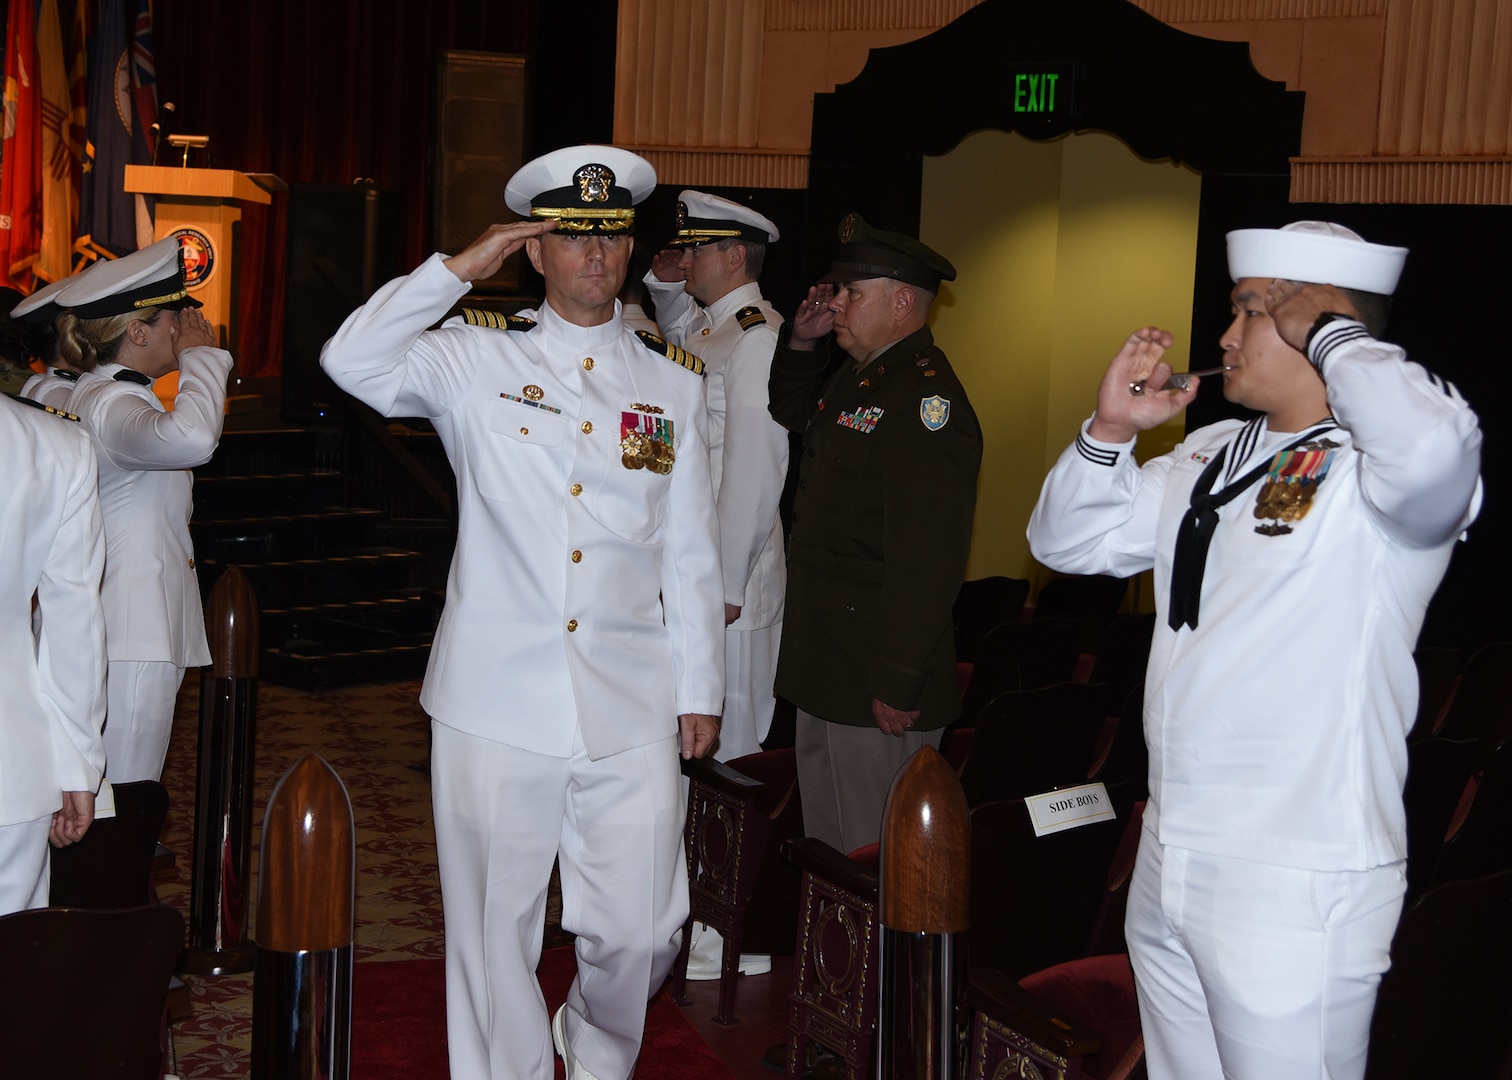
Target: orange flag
(21,154)
(60,196)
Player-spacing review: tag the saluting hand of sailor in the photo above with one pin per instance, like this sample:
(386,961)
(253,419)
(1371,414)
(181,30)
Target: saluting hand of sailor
(1122,415)
(194,330)
(1294,307)
(483,257)
(813,319)
(664,265)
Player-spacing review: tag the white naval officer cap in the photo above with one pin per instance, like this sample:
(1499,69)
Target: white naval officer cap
(40,305)
(152,277)
(1316,251)
(584,189)
(703,218)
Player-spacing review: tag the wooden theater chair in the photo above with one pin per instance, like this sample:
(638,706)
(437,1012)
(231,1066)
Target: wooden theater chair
(1445,1006)
(1033,740)
(1077,1016)
(83,991)
(1481,705)
(737,813)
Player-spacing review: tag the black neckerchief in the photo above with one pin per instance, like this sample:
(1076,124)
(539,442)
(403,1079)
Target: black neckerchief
(1196,532)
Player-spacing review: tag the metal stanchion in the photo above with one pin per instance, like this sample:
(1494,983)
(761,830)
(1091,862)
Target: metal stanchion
(219,942)
(924,899)
(302,992)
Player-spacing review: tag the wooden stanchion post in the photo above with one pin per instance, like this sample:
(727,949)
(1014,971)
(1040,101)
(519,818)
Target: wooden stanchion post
(219,942)
(306,899)
(924,899)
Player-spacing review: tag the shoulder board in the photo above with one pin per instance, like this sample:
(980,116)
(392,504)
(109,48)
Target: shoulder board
(671,352)
(66,374)
(128,375)
(751,316)
(494,321)
(59,413)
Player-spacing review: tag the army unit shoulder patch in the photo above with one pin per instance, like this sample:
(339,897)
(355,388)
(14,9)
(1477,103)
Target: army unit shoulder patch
(494,321)
(934,412)
(678,356)
(750,316)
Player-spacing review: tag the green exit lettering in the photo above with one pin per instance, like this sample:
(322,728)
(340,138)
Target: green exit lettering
(1034,93)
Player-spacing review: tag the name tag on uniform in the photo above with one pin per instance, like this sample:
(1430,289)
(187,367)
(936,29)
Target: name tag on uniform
(1069,808)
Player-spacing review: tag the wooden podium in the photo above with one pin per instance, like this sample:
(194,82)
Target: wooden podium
(203,208)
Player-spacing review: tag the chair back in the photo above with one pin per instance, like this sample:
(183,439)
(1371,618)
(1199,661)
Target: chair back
(1443,1007)
(84,990)
(982,604)
(1034,740)
(112,866)
(1080,596)
(1479,839)
(1021,656)
(1481,707)
(1034,899)
(1438,672)
(1437,771)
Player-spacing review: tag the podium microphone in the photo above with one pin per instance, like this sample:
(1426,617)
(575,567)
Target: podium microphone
(159,129)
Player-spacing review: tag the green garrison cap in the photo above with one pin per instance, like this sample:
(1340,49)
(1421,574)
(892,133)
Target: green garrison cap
(866,252)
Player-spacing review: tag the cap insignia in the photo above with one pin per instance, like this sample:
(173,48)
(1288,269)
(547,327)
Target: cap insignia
(682,214)
(594,182)
(847,228)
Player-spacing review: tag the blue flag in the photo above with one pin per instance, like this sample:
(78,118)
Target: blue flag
(122,106)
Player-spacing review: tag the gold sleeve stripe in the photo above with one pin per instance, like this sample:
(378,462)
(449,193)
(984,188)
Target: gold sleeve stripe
(494,321)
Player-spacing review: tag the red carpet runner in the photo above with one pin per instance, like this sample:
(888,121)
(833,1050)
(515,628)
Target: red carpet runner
(399,1024)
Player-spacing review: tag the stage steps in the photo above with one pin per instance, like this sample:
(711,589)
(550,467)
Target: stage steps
(349,592)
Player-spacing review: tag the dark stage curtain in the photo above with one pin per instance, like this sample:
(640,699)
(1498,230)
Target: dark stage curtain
(327,91)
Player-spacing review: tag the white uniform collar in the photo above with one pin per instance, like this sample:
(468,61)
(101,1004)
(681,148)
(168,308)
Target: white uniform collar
(582,337)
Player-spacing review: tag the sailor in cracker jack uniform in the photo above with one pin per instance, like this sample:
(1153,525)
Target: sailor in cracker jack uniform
(1294,555)
(581,647)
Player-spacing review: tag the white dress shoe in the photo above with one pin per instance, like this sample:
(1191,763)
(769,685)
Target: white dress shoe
(564,1051)
(706,954)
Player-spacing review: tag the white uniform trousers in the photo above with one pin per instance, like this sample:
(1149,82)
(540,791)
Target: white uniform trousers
(1252,971)
(750,701)
(502,815)
(25,859)
(140,697)
(844,775)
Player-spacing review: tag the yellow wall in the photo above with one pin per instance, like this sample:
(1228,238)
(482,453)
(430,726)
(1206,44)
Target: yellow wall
(1061,249)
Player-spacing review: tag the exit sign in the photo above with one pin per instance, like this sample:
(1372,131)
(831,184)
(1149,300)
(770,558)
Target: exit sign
(1042,91)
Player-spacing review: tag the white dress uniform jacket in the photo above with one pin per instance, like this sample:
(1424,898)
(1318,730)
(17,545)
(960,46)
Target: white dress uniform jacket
(152,600)
(53,546)
(583,592)
(51,389)
(1276,729)
(748,450)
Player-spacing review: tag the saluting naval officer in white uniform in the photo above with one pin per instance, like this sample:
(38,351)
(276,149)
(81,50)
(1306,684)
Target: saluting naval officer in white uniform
(124,324)
(580,649)
(1295,555)
(36,316)
(704,286)
(51,548)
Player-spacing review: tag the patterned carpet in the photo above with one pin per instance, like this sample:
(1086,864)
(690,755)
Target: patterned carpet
(375,737)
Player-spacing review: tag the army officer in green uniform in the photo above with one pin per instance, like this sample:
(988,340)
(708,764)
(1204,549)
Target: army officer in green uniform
(881,526)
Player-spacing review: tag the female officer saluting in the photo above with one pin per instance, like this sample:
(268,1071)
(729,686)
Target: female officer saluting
(125,324)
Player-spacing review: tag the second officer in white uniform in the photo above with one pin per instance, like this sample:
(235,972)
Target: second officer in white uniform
(125,324)
(580,648)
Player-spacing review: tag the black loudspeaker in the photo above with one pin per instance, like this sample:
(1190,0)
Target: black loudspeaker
(343,244)
(482,101)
